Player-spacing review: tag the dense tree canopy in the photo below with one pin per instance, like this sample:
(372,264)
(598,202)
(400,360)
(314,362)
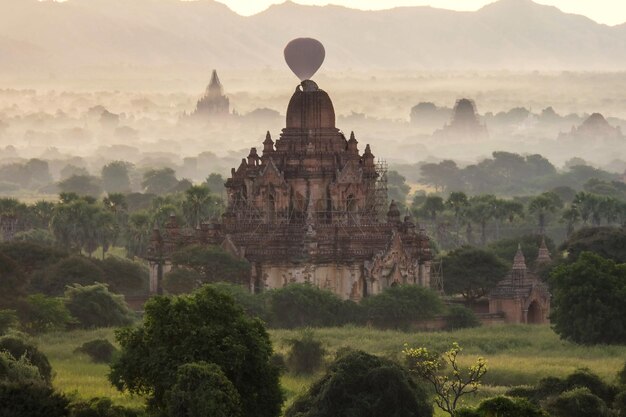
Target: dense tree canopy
(472,272)
(360,384)
(608,242)
(205,326)
(589,300)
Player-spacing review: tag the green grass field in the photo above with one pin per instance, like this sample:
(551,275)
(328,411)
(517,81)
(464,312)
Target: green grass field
(516,355)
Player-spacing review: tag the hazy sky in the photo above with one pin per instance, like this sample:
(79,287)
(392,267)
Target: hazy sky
(610,12)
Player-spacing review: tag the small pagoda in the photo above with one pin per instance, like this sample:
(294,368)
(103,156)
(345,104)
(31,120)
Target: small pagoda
(522,297)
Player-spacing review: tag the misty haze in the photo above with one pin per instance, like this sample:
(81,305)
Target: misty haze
(311,211)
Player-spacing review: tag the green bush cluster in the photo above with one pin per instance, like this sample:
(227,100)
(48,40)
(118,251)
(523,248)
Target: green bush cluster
(99,350)
(306,353)
(360,384)
(580,394)
(305,305)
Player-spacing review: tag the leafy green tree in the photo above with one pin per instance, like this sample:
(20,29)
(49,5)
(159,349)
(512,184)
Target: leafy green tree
(212,263)
(570,216)
(608,242)
(123,275)
(589,300)
(115,177)
(180,327)
(159,181)
(94,306)
(449,390)
(360,384)
(542,205)
(41,314)
(82,185)
(12,282)
(443,176)
(397,188)
(72,270)
(432,206)
(202,389)
(215,182)
(401,306)
(472,272)
(506,210)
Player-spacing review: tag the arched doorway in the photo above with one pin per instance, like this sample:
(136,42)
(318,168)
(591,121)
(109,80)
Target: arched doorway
(534,313)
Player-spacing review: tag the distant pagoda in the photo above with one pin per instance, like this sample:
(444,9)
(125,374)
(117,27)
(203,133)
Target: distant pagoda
(465,124)
(214,102)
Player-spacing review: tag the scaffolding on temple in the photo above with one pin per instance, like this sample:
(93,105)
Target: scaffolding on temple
(436,276)
(380,196)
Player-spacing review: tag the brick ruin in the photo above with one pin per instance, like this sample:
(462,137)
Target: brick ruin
(308,208)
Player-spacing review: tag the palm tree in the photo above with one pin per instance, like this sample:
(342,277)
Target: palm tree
(506,210)
(570,217)
(457,202)
(481,210)
(197,204)
(138,233)
(542,205)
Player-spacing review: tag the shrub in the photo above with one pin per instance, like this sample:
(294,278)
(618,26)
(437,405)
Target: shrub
(306,353)
(101,407)
(41,314)
(94,306)
(18,348)
(583,378)
(399,307)
(213,264)
(17,370)
(503,406)
(253,304)
(459,317)
(99,350)
(30,400)
(8,319)
(305,305)
(579,402)
(360,384)
(201,390)
(175,331)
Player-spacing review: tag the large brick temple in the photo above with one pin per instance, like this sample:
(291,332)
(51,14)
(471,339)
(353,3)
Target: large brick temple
(307,208)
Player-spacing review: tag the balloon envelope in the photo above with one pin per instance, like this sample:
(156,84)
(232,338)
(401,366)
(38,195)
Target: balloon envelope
(304,56)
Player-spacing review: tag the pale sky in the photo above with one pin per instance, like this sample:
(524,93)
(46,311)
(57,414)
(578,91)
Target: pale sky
(610,12)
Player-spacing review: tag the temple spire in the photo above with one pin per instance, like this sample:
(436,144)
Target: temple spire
(544,254)
(518,274)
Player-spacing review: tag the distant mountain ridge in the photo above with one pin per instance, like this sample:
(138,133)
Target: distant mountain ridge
(508,34)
